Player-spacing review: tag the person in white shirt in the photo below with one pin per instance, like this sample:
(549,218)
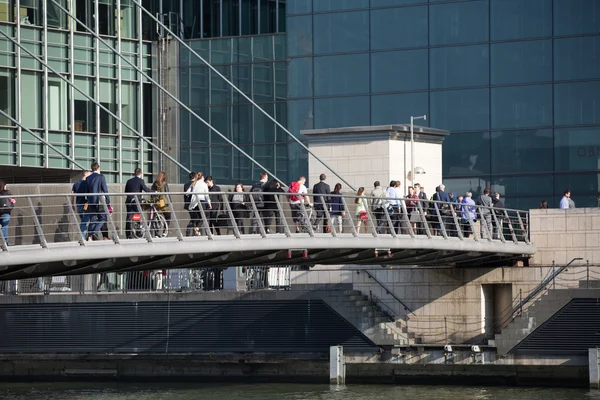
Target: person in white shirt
(566,202)
(200,198)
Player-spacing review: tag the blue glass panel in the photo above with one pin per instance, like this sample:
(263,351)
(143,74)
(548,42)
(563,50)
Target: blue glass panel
(298,7)
(391,109)
(242,123)
(341,112)
(399,70)
(393,28)
(577,58)
(300,116)
(583,186)
(463,22)
(577,149)
(522,151)
(577,103)
(518,19)
(264,128)
(466,154)
(474,184)
(458,110)
(521,106)
(340,32)
(574,17)
(387,3)
(522,62)
(509,187)
(334,5)
(300,77)
(341,74)
(459,66)
(299,36)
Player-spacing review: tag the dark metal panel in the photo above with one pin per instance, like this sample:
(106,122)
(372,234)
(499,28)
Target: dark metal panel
(176,327)
(572,330)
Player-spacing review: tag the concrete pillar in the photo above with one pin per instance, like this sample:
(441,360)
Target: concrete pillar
(594,365)
(337,365)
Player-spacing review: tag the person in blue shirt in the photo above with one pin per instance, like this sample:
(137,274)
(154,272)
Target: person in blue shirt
(468,213)
(80,187)
(96,184)
(566,202)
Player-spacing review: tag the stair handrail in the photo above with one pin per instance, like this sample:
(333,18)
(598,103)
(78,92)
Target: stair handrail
(384,308)
(539,288)
(388,291)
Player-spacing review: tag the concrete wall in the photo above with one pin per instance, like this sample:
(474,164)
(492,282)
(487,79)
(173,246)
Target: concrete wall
(447,302)
(561,235)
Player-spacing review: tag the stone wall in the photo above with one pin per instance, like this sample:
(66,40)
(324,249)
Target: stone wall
(562,235)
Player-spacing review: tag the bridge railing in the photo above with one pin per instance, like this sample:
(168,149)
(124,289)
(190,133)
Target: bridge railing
(46,219)
(43,219)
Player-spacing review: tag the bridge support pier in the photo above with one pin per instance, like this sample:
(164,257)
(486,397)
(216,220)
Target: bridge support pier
(594,366)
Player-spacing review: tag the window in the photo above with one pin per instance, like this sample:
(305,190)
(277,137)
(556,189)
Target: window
(299,36)
(458,110)
(583,186)
(85,110)
(7,100)
(345,74)
(393,28)
(6,10)
(539,186)
(577,58)
(58,104)
(300,75)
(521,106)
(385,3)
(231,17)
(31,99)
(341,32)
(466,154)
(128,19)
(211,18)
(459,66)
(399,70)
(518,19)
(30,12)
(56,17)
(576,17)
(522,151)
(298,6)
(268,16)
(129,104)
(84,12)
(462,22)
(250,17)
(300,116)
(263,82)
(335,5)
(390,109)
(242,122)
(577,103)
(264,128)
(577,149)
(107,99)
(341,112)
(521,62)
(106,11)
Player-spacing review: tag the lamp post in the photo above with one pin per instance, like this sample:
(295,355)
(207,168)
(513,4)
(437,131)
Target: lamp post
(412,146)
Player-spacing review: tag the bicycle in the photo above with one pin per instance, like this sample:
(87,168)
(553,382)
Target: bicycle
(156,221)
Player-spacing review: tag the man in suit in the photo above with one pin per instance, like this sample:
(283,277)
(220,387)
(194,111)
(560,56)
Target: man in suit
(485,213)
(134,185)
(96,183)
(322,202)
(499,220)
(443,209)
(424,204)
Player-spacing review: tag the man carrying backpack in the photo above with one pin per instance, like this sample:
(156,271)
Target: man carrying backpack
(256,191)
(298,197)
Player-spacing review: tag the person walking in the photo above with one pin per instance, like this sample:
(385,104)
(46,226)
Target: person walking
(199,202)
(361,210)
(161,199)
(96,185)
(468,214)
(7,203)
(80,202)
(238,202)
(133,187)
(567,202)
(485,212)
(215,205)
(338,211)
(378,203)
(500,217)
(256,191)
(322,202)
(298,196)
(272,189)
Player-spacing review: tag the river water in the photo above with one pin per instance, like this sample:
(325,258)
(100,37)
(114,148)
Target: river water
(155,391)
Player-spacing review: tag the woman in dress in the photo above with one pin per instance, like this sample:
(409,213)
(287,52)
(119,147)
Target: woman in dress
(361,210)
(412,208)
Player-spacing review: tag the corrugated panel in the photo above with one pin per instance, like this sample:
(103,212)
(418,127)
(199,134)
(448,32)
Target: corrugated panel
(176,327)
(572,330)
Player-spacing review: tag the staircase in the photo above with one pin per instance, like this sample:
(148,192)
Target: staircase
(366,316)
(536,314)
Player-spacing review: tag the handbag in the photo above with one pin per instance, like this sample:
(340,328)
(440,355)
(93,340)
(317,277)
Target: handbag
(363,215)
(160,203)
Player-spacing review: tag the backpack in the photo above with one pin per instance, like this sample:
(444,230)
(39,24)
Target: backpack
(5,204)
(258,199)
(294,188)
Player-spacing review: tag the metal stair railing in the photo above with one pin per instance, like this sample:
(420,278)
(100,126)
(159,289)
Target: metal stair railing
(388,291)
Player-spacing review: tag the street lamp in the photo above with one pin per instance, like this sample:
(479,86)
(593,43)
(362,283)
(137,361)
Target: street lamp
(412,146)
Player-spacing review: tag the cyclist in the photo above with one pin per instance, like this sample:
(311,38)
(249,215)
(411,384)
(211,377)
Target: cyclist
(134,185)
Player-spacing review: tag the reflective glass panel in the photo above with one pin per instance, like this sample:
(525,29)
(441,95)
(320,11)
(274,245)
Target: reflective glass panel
(460,109)
(387,3)
(577,58)
(299,36)
(462,22)
(577,103)
(300,115)
(300,77)
(521,62)
(522,151)
(334,5)
(583,186)
(466,154)
(459,66)
(7,100)
(341,32)
(392,109)
(521,106)
(577,149)
(399,70)
(345,74)
(298,6)
(576,17)
(393,28)
(510,187)
(518,19)
(341,112)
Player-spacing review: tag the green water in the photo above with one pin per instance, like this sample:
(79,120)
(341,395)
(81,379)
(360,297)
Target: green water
(156,391)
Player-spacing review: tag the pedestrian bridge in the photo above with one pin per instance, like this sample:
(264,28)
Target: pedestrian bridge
(45,235)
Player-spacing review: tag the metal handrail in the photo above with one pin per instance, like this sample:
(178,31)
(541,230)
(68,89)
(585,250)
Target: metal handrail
(376,301)
(388,291)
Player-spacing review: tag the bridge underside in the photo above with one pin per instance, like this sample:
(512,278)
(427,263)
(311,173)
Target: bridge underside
(71,258)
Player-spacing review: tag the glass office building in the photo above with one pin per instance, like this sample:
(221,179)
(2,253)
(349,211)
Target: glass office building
(517,82)
(47,105)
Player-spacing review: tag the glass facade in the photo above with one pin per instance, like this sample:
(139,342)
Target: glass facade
(43,102)
(256,64)
(517,82)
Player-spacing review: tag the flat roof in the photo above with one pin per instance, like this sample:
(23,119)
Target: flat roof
(377,129)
